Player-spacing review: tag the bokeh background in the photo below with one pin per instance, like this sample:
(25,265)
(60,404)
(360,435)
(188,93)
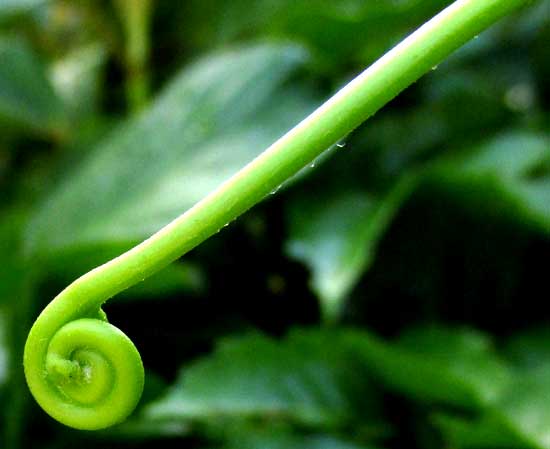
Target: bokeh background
(393,294)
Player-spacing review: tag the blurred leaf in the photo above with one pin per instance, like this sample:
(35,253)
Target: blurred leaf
(309,378)
(530,349)
(26,96)
(434,364)
(352,31)
(77,79)
(508,176)
(339,33)
(10,8)
(216,116)
(337,237)
(525,407)
(522,414)
(394,141)
(12,264)
(472,101)
(485,433)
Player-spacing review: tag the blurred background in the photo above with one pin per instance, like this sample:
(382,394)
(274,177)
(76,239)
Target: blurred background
(393,294)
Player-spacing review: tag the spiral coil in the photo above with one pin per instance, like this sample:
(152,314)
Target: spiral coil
(85,373)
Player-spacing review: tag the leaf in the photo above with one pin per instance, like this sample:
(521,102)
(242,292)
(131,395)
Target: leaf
(522,413)
(518,416)
(309,378)
(10,8)
(525,407)
(507,176)
(77,79)
(485,433)
(11,260)
(27,97)
(339,32)
(530,349)
(215,117)
(336,237)
(435,364)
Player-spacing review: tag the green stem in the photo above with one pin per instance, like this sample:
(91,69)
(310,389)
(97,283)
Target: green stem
(135,16)
(50,364)
(352,105)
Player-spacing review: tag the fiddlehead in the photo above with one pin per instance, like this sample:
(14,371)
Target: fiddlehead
(88,374)
(83,371)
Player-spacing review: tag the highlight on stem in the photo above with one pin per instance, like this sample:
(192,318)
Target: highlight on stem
(84,371)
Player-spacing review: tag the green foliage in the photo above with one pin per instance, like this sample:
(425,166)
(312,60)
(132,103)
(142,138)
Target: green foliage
(13,271)
(154,166)
(10,8)
(455,367)
(337,238)
(27,96)
(503,180)
(309,379)
(392,295)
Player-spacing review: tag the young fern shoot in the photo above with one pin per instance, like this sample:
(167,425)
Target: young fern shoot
(85,372)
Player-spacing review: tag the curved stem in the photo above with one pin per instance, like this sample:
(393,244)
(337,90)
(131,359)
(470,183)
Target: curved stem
(361,98)
(342,113)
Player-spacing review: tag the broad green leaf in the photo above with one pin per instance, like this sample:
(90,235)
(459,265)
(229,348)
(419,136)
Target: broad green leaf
(27,97)
(434,364)
(213,118)
(521,414)
(310,379)
(336,237)
(508,176)
(512,404)
(519,418)
(525,407)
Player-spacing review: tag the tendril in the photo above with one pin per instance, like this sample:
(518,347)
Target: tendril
(84,371)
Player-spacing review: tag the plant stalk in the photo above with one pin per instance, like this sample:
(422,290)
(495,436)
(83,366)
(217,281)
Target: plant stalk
(135,16)
(347,109)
